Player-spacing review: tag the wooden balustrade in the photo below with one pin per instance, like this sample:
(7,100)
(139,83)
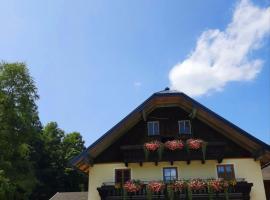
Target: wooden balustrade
(241,191)
(135,153)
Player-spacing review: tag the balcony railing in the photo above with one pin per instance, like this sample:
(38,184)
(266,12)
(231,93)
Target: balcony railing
(135,153)
(241,191)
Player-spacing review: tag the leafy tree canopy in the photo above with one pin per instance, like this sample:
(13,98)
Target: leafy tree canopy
(33,160)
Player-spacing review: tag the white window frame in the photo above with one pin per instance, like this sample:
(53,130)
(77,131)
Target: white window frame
(181,121)
(153,128)
(170,167)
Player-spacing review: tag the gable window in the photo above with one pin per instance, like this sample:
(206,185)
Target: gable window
(225,171)
(153,128)
(184,127)
(170,174)
(122,175)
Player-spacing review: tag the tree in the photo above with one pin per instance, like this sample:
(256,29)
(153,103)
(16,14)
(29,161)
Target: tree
(6,187)
(19,129)
(73,145)
(33,160)
(54,173)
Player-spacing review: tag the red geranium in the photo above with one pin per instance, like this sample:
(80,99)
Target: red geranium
(152,146)
(194,143)
(216,185)
(132,186)
(174,144)
(156,186)
(197,184)
(179,185)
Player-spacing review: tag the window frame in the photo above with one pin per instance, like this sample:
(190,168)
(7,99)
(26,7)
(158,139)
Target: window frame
(153,128)
(225,171)
(122,174)
(179,127)
(176,170)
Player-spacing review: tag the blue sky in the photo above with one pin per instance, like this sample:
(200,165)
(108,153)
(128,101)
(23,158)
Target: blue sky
(94,61)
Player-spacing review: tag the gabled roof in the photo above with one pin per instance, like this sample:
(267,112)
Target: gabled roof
(167,98)
(70,196)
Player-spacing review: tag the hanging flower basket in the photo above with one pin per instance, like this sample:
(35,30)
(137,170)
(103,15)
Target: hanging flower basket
(197,184)
(132,186)
(194,143)
(179,185)
(216,185)
(155,186)
(174,145)
(152,146)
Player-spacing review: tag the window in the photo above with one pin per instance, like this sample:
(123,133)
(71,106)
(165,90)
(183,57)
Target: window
(225,171)
(170,174)
(122,175)
(184,127)
(153,128)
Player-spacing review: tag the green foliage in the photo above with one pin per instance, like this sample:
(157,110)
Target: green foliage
(189,193)
(160,151)
(33,161)
(19,128)
(226,193)
(204,146)
(149,194)
(73,145)
(6,188)
(54,172)
(210,192)
(146,153)
(170,192)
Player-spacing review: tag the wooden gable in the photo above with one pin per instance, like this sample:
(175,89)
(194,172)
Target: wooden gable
(168,118)
(173,105)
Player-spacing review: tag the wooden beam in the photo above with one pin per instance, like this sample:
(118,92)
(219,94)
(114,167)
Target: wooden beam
(144,115)
(258,153)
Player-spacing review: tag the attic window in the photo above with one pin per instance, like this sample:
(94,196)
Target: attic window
(153,128)
(184,127)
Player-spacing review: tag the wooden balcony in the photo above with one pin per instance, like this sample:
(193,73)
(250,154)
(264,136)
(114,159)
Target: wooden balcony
(241,191)
(135,153)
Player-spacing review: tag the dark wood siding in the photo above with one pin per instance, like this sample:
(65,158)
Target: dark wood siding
(168,118)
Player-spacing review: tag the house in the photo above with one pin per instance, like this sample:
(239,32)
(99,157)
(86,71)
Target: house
(170,137)
(70,196)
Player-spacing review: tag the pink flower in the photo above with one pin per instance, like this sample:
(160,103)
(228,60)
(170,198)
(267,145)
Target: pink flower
(152,146)
(218,185)
(179,185)
(132,186)
(194,143)
(156,186)
(174,144)
(197,184)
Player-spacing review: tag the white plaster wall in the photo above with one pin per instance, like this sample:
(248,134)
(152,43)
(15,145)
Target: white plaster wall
(244,168)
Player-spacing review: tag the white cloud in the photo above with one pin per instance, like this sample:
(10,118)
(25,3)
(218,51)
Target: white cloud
(223,56)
